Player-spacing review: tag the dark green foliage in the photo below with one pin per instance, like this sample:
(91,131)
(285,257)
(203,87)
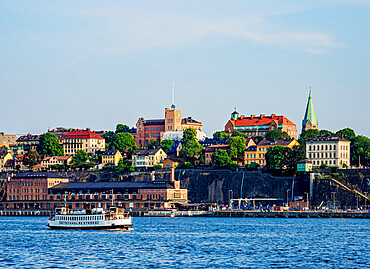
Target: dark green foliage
(253,166)
(326,132)
(221,158)
(166,145)
(237,146)
(122,141)
(124,165)
(108,136)
(157,167)
(347,134)
(120,128)
(360,150)
(31,158)
(276,157)
(49,145)
(191,148)
(81,160)
(153,144)
(276,135)
(220,135)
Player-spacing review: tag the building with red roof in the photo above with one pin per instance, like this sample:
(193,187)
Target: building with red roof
(259,125)
(85,140)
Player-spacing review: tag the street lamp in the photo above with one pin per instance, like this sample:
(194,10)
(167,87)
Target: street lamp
(287,196)
(333,193)
(230,197)
(307,200)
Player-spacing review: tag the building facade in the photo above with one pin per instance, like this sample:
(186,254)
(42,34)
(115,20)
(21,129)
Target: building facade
(259,125)
(4,158)
(309,121)
(111,157)
(29,190)
(85,140)
(29,142)
(145,158)
(256,154)
(328,150)
(56,160)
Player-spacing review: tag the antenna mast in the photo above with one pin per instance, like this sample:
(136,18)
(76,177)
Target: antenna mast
(173,95)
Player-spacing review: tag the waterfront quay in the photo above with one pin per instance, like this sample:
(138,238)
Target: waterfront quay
(217,213)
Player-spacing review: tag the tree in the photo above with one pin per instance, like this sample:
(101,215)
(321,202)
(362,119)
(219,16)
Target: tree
(237,146)
(220,135)
(31,158)
(220,158)
(120,128)
(294,155)
(49,145)
(276,157)
(80,160)
(326,132)
(108,136)
(276,135)
(191,147)
(124,165)
(166,145)
(237,133)
(253,166)
(153,144)
(122,141)
(311,133)
(360,151)
(347,134)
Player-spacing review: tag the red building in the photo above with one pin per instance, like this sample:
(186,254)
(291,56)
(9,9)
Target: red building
(147,129)
(259,125)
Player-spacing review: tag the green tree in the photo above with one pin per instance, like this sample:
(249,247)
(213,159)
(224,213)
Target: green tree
(237,133)
(347,134)
(276,157)
(237,146)
(80,159)
(253,166)
(120,128)
(124,165)
(122,141)
(360,151)
(311,133)
(221,158)
(31,158)
(191,148)
(166,145)
(220,135)
(49,145)
(326,132)
(108,136)
(276,135)
(294,155)
(153,144)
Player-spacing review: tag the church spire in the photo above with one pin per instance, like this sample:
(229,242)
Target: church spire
(309,120)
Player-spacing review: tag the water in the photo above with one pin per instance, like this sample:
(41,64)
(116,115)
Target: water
(26,242)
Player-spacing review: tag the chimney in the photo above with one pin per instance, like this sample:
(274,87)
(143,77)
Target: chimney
(253,116)
(262,116)
(273,115)
(172,175)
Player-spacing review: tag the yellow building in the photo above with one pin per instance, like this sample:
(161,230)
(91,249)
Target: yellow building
(143,158)
(4,157)
(256,154)
(85,140)
(56,160)
(29,142)
(111,157)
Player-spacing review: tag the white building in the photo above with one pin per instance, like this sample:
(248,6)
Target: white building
(329,150)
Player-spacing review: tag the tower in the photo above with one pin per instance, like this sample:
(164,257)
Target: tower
(235,114)
(173,117)
(309,121)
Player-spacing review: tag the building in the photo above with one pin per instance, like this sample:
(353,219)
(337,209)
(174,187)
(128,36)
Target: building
(304,166)
(4,158)
(30,190)
(173,122)
(256,154)
(208,152)
(56,160)
(309,121)
(60,131)
(328,150)
(172,161)
(7,138)
(29,142)
(258,126)
(85,140)
(144,158)
(111,157)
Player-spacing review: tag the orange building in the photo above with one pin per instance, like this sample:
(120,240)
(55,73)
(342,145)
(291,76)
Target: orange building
(259,125)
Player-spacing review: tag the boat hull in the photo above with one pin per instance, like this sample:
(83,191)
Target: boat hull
(102,227)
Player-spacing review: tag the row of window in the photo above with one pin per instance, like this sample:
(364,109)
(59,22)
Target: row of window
(322,147)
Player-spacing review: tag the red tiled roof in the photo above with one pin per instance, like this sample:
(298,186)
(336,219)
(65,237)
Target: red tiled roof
(257,120)
(81,134)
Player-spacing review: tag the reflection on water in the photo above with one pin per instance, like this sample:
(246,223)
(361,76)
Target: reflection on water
(189,243)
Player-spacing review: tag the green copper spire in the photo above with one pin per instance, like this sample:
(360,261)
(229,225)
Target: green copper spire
(310,112)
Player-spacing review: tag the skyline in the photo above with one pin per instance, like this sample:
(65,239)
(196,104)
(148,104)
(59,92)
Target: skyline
(260,58)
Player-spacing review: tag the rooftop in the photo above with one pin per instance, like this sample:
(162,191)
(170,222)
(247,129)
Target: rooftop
(85,134)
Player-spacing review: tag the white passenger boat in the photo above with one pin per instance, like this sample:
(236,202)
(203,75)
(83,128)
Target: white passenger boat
(90,219)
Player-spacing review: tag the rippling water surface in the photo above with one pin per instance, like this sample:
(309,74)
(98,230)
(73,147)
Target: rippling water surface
(26,242)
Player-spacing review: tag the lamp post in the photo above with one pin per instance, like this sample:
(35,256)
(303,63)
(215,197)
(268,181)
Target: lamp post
(366,201)
(308,206)
(333,193)
(287,196)
(230,197)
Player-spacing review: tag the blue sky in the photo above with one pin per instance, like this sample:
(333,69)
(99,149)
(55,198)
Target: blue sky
(98,63)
